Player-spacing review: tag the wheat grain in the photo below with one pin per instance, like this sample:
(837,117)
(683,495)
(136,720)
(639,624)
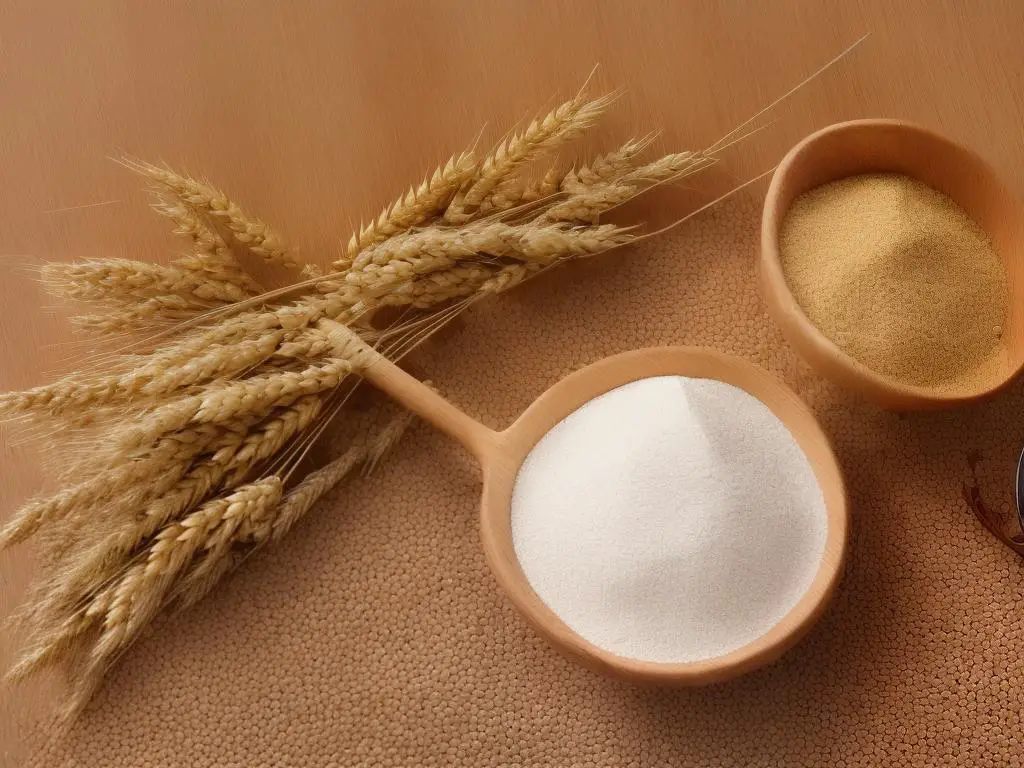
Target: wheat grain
(404,256)
(433,289)
(220,402)
(250,324)
(219,361)
(300,500)
(141,591)
(233,451)
(460,282)
(508,277)
(99,561)
(251,232)
(398,261)
(131,482)
(544,187)
(514,192)
(309,344)
(48,647)
(310,271)
(381,444)
(224,402)
(417,206)
(442,267)
(670,166)
(219,558)
(178,488)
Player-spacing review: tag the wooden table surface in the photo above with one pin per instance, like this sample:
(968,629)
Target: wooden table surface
(316,113)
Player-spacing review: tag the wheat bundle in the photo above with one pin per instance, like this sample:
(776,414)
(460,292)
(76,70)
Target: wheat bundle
(187,445)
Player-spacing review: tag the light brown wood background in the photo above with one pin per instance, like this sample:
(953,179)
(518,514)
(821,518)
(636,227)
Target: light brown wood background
(316,113)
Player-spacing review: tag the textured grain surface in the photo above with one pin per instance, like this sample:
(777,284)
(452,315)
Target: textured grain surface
(374,634)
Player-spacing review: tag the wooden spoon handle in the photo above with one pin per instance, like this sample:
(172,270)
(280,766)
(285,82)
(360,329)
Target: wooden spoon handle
(478,439)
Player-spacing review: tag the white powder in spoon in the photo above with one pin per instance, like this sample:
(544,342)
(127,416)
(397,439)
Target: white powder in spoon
(669,520)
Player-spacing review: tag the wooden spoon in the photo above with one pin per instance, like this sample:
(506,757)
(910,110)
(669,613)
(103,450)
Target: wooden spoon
(502,453)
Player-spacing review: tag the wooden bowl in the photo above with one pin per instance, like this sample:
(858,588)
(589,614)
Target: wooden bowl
(872,146)
(501,454)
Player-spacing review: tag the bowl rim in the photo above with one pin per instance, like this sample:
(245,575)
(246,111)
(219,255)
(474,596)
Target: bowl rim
(773,275)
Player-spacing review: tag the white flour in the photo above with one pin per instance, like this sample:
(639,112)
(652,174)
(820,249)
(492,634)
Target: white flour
(671,519)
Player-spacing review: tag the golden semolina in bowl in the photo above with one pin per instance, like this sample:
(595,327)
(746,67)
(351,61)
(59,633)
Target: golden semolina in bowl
(893,261)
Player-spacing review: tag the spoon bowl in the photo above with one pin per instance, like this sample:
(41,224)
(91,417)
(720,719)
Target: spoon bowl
(501,455)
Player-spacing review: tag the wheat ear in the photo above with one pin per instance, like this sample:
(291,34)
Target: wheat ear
(142,590)
(178,486)
(418,205)
(233,454)
(301,499)
(270,436)
(589,202)
(606,168)
(211,255)
(399,260)
(48,645)
(670,166)
(121,279)
(562,124)
(540,189)
(250,232)
(132,316)
(150,380)
(130,482)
